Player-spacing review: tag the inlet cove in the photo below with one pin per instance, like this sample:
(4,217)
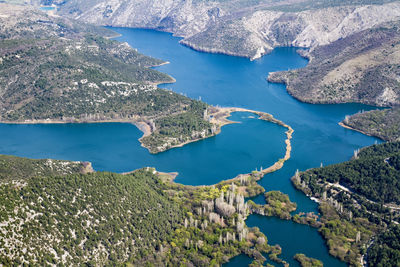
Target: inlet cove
(250,144)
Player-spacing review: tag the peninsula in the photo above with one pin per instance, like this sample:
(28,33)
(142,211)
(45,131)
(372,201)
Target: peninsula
(341,36)
(134,218)
(56,70)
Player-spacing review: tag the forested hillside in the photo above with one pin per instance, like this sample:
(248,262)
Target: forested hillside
(15,169)
(48,217)
(374,174)
(359,200)
(385,251)
(61,212)
(54,69)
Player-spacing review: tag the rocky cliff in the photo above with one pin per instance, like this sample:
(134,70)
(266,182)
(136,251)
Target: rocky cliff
(243,28)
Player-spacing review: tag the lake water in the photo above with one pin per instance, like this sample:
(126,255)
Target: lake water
(240,148)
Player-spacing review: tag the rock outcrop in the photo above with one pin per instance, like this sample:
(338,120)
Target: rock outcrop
(238,27)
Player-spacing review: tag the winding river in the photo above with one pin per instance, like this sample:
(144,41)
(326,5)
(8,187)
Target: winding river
(240,148)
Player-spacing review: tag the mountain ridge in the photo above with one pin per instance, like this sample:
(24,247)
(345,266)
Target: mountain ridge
(239,28)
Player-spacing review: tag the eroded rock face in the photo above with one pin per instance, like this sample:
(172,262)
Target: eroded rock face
(181,17)
(233,27)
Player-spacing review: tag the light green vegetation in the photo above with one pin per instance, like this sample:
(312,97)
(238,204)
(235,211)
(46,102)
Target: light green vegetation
(307,262)
(214,228)
(278,204)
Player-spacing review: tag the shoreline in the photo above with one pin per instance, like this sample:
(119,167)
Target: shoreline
(162,64)
(219,118)
(225,112)
(360,131)
(221,51)
(278,164)
(113,36)
(173,80)
(58,121)
(144,127)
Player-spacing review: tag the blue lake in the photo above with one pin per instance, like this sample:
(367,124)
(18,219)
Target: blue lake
(240,148)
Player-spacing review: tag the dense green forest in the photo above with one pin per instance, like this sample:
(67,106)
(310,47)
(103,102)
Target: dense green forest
(77,218)
(374,174)
(358,200)
(64,213)
(177,129)
(385,251)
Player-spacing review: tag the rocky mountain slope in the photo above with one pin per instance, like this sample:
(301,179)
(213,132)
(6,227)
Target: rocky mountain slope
(244,28)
